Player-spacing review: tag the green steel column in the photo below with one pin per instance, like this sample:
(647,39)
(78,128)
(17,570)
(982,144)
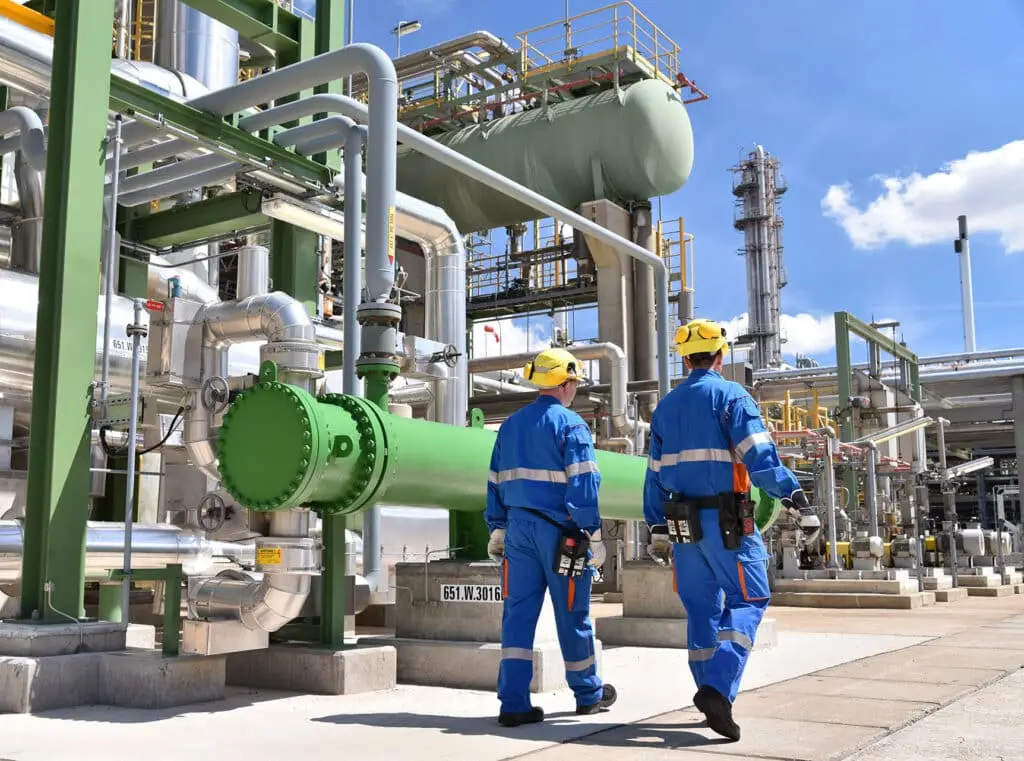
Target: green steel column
(329,35)
(58,480)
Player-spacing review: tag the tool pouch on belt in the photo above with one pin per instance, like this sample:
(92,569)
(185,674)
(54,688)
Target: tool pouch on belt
(735,518)
(571,553)
(682,516)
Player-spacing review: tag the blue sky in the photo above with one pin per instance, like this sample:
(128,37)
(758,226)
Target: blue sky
(844,94)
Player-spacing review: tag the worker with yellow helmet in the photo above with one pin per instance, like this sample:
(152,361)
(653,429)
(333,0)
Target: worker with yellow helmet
(707,443)
(545,529)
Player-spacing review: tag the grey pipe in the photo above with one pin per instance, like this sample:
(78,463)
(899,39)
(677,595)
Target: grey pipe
(136,332)
(29,126)
(266,603)
(480,173)
(418,395)
(212,176)
(381,156)
(253,271)
(352,287)
(27,233)
(616,358)
(110,260)
(829,485)
(153,546)
(871,487)
(175,171)
(332,127)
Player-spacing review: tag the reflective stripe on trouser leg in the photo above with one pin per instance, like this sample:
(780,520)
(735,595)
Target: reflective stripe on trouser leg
(524,589)
(695,584)
(575,633)
(746,598)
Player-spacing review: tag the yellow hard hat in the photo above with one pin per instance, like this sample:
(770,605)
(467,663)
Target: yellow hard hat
(553,367)
(701,337)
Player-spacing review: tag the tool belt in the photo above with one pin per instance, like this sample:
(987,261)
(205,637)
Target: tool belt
(571,552)
(735,517)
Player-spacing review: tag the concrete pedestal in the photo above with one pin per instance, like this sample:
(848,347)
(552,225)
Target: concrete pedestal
(300,668)
(652,614)
(457,644)
(48,666)
(950,595)
(887,588)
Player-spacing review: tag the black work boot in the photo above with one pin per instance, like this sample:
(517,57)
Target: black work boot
(608,698)
(718,711)
(518,718)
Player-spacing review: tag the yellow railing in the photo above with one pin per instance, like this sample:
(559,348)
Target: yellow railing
(620,27)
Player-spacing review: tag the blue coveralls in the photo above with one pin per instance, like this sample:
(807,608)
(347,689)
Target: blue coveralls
(695,430)
(543,459)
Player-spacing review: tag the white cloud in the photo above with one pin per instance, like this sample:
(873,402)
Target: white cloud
(803,333)
(922,209)
(499,337)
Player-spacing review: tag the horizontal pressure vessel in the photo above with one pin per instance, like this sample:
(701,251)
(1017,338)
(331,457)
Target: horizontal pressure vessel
(630,144)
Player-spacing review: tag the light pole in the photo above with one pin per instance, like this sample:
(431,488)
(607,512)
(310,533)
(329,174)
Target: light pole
(404,28)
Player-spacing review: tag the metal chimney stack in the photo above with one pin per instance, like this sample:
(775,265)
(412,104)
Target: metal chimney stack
(962,246)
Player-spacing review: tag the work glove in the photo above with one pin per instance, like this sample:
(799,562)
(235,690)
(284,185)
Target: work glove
(598,553)
(801,512)
(660,548)
(496,545)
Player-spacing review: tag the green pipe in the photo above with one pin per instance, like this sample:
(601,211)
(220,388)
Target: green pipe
(280,448)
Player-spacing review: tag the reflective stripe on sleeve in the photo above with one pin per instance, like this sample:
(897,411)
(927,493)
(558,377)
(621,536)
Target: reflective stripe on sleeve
(579,468)
(696,455)
(532,474)
(761,437)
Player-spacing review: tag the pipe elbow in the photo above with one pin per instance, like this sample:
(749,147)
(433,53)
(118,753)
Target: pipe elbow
(282,319)
(275,601)
(33,137)
(374,62)
(199,444)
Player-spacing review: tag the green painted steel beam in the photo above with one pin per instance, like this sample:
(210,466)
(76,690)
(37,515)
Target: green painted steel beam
(281,448)
(53,566)
(198,221)
(262,21)
(869,334)
(131,99)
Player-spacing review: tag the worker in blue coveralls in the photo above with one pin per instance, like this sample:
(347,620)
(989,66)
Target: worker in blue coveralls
(707,443)
(546,531)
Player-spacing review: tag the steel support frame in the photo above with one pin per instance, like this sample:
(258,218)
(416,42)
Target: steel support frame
(262,21)
(198,221)
(131,99)
(53,565)
(846,325)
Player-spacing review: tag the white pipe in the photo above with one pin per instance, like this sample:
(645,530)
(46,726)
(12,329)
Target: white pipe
(616,358)
(253,271)
(963,245)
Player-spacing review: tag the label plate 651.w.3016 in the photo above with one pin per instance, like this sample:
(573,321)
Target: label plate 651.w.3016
(471,593)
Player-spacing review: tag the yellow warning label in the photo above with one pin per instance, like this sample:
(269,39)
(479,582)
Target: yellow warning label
(321,361)
(269,555)
(391,235)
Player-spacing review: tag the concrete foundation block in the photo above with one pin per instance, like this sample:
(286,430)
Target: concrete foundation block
(1001,590)
(140,637)
(148,679)
(974,581)
(950,595)
(321,671)
(31,640)
(847,586)
(840,600)
(612,598)
(667,632)
(30,685)
(648,591)
(474,665)
(934,583)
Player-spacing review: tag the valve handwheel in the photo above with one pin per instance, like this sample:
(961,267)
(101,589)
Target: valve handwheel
(214,394)
(212,512)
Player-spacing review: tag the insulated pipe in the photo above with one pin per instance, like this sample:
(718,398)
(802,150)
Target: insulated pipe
(253,271)
(29,126)
(458,162)
(871,487)
(381,157)
(267,603)
(153,546)
(27,233)
(607,351)
(212,176)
